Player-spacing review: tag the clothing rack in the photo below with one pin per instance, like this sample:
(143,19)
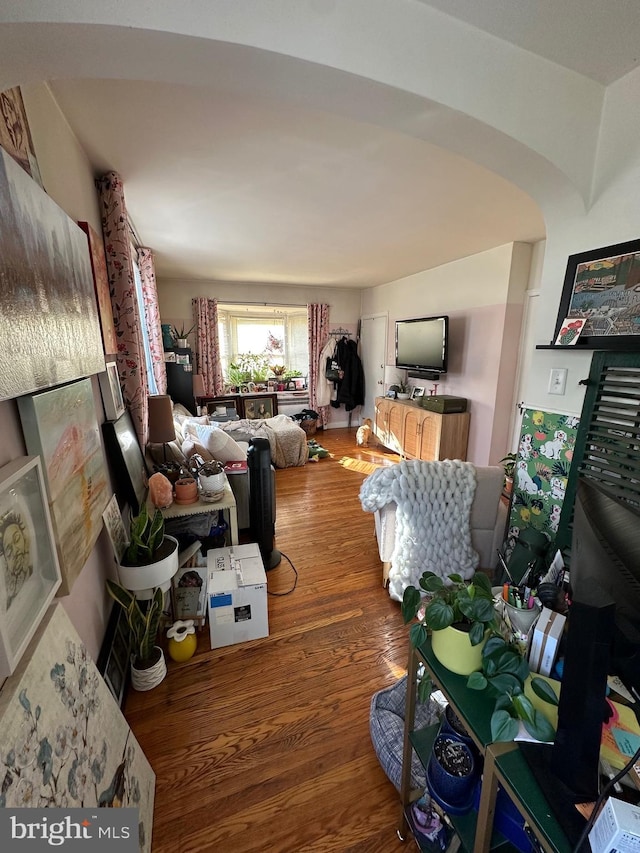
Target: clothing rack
(339,333)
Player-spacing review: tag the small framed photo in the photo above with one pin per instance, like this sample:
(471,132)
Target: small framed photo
(29,569)
(570,332)
(182,358)
(111,391)
(417,391)
(115,528)
(258,408)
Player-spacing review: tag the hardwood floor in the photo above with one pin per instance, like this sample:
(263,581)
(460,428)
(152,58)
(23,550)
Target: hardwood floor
(265,746)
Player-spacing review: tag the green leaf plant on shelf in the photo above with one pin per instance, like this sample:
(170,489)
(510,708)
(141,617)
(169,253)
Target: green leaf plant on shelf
(463,610)
(506,672)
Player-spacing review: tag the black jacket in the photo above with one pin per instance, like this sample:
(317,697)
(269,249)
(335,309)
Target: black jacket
(350,389)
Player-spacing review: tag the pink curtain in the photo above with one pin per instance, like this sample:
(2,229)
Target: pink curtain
(152,315)
(130,355)
(318,329)
(208,345)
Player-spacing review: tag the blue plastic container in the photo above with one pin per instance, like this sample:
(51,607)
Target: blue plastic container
(508,821)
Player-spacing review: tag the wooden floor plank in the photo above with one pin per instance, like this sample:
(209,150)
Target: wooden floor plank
(265,746)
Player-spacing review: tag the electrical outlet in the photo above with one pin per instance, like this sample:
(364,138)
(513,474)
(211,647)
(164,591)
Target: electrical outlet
(557,380)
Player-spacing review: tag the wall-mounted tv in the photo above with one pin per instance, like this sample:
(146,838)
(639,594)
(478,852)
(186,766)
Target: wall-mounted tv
(422,345)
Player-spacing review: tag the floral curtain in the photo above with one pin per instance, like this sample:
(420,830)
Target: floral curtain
(130,355)
(208,345)
(318,330)
(152,315)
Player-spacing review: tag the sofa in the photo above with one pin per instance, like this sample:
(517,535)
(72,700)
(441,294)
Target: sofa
(488,521)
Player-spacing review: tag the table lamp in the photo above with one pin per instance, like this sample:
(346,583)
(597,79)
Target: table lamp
(198,389)
(161,429)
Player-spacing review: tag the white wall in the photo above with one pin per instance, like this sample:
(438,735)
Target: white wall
(483,297)
(68,179)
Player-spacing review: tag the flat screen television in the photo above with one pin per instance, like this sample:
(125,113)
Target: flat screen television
(422,345)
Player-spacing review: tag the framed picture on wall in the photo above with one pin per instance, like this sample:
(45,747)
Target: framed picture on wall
(29,569)
(61,426)
(127,461)
(602,287)
(111,392)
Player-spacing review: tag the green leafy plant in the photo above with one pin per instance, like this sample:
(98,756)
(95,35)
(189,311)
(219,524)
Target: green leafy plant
(458,603)
(143,621)
(256,365)
(505,671)
(181,332)
(508,462)
(146,535)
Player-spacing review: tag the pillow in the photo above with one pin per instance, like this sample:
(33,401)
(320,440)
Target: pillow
(172,449)
(220,445)
(189,447)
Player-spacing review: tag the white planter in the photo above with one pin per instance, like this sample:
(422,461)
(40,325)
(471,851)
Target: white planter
(147,679)
(143,579)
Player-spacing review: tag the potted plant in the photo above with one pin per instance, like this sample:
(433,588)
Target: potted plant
(452,773)
(403,390)
(458,614)
(148,666)
(151,558)
(505,671)
(180,335)
(509,464)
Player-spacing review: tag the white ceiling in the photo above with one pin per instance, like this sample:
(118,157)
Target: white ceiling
(224,184)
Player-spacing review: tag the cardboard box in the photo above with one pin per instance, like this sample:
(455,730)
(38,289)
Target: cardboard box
(617,827)
(545,641)
(237,586)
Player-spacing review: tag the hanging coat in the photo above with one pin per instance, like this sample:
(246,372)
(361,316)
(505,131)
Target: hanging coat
(350,391)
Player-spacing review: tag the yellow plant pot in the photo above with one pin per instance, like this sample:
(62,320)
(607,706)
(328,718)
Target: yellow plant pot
(183,650)
(454,650)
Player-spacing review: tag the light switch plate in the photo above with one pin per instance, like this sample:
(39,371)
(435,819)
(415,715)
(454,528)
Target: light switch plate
(557,380)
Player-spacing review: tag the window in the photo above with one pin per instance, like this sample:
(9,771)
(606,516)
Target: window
(263,337)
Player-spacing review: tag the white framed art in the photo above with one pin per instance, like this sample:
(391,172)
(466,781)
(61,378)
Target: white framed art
(111,391)
(29,569)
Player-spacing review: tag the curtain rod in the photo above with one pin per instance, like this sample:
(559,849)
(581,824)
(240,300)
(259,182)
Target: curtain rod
(264,304)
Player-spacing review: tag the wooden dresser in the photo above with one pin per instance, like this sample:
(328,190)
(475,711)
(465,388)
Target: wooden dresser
(417,433)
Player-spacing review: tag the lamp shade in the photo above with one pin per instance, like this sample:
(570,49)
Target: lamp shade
(161,427)
(198,385)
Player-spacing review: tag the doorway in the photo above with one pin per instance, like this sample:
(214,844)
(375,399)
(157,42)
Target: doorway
(373,353)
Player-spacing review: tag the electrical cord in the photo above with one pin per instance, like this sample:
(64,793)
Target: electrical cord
(603,795)
(295,583)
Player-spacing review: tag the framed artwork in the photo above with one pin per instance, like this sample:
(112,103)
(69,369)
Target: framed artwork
(65,741)
(127,461)
(15,135)
(50,332)
(111,392)
(258,408)
(101,286)
(60,426)
(417,392)
(114,658)
(602,287)
(115,528)
(29,570)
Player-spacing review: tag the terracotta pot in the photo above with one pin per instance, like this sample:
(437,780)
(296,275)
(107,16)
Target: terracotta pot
(186,490)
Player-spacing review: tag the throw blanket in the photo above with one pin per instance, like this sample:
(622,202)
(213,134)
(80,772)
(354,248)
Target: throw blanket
(433,531)
(287,441)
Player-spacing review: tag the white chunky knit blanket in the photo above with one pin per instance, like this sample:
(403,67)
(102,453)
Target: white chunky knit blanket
(432,528)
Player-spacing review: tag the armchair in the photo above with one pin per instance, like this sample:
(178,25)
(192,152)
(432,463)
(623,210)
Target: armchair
(487,521)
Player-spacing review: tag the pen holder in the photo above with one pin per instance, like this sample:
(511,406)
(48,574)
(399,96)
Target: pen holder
(520,618)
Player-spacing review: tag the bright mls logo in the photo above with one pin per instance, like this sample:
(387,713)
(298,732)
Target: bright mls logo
(34,830)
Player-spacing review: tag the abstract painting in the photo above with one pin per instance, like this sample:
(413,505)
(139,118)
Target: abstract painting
(29,570)
(50,331)
(15,135)
(101,284)
(61,426)
(64,741)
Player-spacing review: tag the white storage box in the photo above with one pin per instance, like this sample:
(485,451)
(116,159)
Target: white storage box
(617,827)
(237,589)
(545,641)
